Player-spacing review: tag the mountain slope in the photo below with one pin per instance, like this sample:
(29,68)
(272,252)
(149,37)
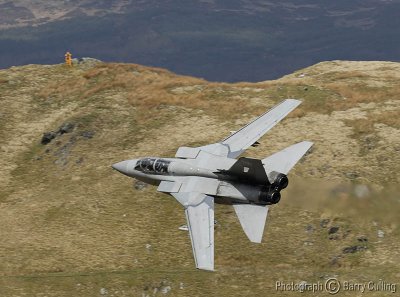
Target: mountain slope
(69,223)
(217,40)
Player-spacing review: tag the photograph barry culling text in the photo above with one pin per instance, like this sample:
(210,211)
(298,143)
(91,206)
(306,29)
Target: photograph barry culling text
(333,286)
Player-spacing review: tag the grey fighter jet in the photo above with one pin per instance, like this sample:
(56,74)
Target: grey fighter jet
(198,177)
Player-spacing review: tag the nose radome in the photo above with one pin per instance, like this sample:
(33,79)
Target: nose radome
(121,167)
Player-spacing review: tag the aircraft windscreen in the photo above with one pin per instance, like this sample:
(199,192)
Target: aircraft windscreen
(152,165)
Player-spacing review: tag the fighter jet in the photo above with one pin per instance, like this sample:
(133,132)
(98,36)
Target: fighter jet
(198,177)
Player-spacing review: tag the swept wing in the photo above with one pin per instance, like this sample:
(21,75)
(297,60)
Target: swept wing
(199,210)
(242,139)
(235,144)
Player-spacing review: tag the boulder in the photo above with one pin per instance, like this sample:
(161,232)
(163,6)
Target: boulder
(139,185)
(324,223)
(333,230)
(87,134)
(103,291)
(66,128)
(48,137)
(362,239)
(353,249)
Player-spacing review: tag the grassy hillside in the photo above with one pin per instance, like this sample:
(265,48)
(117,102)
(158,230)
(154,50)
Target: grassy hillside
(71,226)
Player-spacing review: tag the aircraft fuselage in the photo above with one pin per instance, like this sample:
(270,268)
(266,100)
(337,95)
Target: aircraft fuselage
(231,188)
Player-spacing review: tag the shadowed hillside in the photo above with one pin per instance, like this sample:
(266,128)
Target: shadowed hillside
(219,40)
(70,225)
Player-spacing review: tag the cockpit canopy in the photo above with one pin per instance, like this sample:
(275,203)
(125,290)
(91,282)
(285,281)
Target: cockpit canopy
(152,165)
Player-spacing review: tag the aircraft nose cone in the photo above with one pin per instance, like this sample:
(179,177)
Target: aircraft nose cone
(121,167)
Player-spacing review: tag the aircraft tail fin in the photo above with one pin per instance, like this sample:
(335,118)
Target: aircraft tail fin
(252,219)
(247,169)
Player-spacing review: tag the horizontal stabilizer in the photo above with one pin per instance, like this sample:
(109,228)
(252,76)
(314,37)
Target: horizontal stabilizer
(252,218)
(285,159)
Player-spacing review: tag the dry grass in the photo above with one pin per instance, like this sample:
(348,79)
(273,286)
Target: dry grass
(70,225)
(349,75)
(297,113)
(63,89)
(367,125)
